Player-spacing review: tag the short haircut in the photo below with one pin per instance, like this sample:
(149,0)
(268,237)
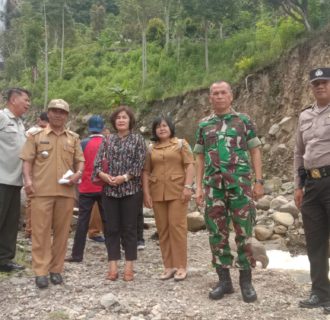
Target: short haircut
(220,82)
(157,121)
(120,109)
(44,116)
(10,92)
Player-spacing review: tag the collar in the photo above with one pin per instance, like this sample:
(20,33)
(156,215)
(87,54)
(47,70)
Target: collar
(10,114)
(172,141)
(228,115)
(48,130)
(96,135)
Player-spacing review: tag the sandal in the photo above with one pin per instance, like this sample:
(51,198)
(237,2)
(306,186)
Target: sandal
(167,274)
(180,275)
(112,275)
(128,275)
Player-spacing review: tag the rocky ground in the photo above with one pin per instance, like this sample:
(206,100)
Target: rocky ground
(86,294)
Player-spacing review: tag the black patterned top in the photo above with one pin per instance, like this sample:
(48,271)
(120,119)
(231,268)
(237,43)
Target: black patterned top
(126,156)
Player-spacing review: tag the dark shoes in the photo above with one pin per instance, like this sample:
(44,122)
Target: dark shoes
(247,290)
(42,282)
(314,301)
(141,245)
(224,286)
(97,239)
(11,266)
(72,259)
(56,278)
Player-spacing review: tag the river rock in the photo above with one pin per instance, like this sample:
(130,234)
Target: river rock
(195,221)
(109,300)
(291,208)
(262,233)
(264,202)
(280,229)
(278,202)
(274,129)
(283,218)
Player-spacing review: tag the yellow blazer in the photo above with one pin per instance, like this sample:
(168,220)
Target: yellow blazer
(166,164)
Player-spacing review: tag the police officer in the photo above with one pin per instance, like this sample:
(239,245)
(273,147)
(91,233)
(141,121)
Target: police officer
(48,154)
(312,185)
(224,141)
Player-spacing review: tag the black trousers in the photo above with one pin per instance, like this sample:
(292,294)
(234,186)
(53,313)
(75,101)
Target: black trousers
(86,203)
(140,224)
(10,203)
(123,213)
(316,218)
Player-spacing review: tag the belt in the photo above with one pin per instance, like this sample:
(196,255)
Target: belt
(318,173)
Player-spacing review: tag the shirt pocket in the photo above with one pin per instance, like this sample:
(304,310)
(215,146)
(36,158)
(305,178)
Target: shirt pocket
(44,152)
(306,131)
(10,133)
(68,153)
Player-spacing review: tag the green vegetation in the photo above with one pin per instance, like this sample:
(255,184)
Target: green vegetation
(104,52)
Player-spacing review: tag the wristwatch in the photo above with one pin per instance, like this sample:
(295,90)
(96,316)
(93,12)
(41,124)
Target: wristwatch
(125,177)
(260,181)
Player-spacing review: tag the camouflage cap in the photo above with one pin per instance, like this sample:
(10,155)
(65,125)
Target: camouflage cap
(59,104)
(319,74)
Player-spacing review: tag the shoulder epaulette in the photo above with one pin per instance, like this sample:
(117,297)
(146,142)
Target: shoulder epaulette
(306,107)
(73,134)
(36,131)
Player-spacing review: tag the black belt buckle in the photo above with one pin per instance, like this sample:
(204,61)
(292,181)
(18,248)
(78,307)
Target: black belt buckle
(315,173)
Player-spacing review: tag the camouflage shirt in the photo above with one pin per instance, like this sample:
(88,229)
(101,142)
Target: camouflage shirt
(225,140)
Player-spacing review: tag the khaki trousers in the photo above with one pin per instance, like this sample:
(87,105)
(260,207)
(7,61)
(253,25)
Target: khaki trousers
(50,215)
(95,223)
(171,223)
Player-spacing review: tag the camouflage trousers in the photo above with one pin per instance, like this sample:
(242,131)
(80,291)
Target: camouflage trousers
(226,208)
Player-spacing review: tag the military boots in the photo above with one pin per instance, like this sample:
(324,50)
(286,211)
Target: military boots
(224,286)
(248,292)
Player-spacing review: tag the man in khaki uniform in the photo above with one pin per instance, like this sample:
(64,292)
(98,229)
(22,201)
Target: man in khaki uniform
(48,154)
(312,184)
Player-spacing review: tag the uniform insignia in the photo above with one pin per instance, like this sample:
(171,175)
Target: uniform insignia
(36,131)
(44,142)
(10,125)
(318,73)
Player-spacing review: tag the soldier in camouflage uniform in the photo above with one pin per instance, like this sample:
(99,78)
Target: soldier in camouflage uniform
(223,144)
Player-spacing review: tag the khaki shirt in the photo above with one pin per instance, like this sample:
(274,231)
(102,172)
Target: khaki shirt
(312,148)
(166,164)
(12,138)
(52,155)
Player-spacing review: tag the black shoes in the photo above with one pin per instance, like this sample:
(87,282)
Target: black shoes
(314,301)
(42,282)
(248,292)
(97,238)
(11,266)
(72,259)
(224,286)
(56,278)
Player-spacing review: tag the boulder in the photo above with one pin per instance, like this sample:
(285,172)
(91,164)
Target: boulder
(264,202)
(287,124)
(274,129)
(291,208)
(278,202)
(287,188)
(283,218)
(262,233)
(195,221)
(280,229)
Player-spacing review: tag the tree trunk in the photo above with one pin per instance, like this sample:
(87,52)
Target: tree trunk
(167,27)
(46,59)
(62,44)
(178,49)
(206,46)
(144,56)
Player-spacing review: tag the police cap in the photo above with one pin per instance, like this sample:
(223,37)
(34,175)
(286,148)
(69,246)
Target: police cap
(319,74)
(59,104)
